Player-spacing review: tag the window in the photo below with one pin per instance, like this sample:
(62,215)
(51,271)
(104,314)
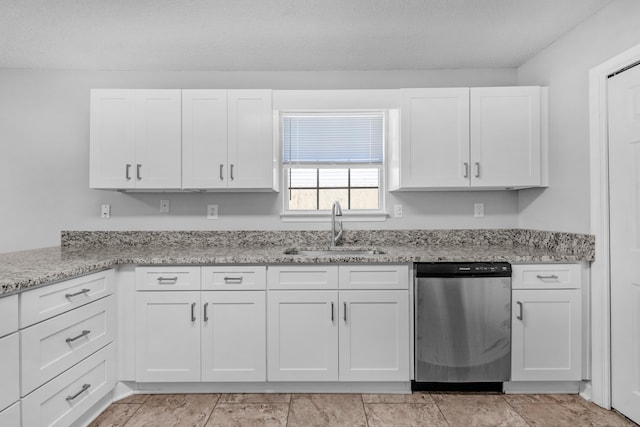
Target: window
(333,156)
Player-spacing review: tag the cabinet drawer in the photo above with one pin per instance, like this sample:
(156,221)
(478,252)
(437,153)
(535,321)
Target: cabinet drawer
(9,370)
(11,416)
(374,277)
(168,278)
(8,315)
(51,347)
(65,398)
(546,276)
(48,301)
(303,277)
(234,278)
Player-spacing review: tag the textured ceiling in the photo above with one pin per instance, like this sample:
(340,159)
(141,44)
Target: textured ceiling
(257,35)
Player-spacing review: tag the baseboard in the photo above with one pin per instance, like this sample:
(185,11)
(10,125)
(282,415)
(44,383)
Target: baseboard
(400,387)
(542,387)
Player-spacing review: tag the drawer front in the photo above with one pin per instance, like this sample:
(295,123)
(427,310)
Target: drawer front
(65,398)
(374,277)
(168,278)
(9,370)
(303,277)
(55,345)
(546,276)
(42,303)
(11,416)
(8,315)
(234,278)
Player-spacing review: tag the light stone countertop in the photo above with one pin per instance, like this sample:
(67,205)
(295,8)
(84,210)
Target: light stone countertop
(23,270)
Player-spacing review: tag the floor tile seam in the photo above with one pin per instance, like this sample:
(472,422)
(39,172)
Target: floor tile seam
(444,417)
(213,409)
(364,410)
(140,405)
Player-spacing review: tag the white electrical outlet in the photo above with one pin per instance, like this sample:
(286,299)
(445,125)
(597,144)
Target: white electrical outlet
(212,211)
(106,212)
(397,211)
(478,210)
(164,206)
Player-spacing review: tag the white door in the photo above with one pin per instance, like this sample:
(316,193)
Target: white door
(435,137)
(158,138)
(505,136)
(112,139)
(204,138)
(543,320)
(624,187)
(234,336)
(251,154)
(302,336)
(168,336)
(374,336)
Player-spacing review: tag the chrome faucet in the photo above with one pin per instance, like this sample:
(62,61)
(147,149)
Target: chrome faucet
(336,210)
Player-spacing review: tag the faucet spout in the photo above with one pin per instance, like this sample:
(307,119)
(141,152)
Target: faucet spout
(336,210)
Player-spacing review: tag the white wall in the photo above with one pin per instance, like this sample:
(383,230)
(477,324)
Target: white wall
(44,158)
(564,67)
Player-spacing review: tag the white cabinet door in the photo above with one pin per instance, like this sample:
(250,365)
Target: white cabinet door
(158,139)
(233,336)
(168,336)
(435,138)
(251,153)
(204,138)
(546,335)
(112,138)
(505,136)
(302,336)
(9,370)
(374,336)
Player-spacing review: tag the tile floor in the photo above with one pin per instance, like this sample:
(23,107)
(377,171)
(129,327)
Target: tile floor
(352,410)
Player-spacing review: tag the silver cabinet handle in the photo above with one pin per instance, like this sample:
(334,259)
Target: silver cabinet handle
(193,312)
(477,169)
(173,279)
(138,174)
(345,311)
(231,171)
(84,388)
(466,169)
(83,291)
(127,172)
(331,311)
(551,276)
(233,279)
(520,316)
(206,316)
(82,334)
(221,174)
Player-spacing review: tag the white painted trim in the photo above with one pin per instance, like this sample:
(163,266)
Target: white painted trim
(384,387)
(541,387)
(600,268)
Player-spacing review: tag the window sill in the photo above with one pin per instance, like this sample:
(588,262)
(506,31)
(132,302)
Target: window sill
(325,216)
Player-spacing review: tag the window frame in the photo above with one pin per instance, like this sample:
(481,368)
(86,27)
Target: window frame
(379,214)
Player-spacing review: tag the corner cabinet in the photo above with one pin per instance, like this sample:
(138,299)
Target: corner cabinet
(227,138)
(135,139)
(472,138)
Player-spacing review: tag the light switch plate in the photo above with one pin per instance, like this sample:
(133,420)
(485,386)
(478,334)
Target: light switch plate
(106,212)
(478,210)
(397,211)
(164,206)
(212,211)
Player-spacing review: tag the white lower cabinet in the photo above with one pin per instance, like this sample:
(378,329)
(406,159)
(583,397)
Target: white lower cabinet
(302,335)
(168,336)
(233,336)
(65,398)
(9,370)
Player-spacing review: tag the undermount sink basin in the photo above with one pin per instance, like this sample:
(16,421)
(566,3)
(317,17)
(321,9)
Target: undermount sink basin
(334,252)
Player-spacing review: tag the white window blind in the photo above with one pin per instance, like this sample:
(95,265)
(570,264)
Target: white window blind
(349,138)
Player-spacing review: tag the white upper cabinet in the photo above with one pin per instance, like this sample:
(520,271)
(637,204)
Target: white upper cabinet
(505,136)
(461,138)
(228,139)
(435,135)
(135,139)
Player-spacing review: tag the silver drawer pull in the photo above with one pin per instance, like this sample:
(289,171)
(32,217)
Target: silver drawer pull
(233,279)
(138,174)
(83,291)
(82,390)
(477,169)
(168,279)
(193,311)
(549,277)
(345,311)
(127,172)
(206,315)
(520,316)
(221,174)
(331,311)
(231,171)
(466,170)
(83,334)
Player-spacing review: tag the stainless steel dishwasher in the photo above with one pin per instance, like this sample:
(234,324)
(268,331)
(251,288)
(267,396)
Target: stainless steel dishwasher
(462,322)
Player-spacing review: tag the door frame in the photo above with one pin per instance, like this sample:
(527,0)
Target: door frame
(601,267)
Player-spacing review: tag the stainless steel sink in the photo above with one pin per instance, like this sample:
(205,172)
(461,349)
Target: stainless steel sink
(334,252)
